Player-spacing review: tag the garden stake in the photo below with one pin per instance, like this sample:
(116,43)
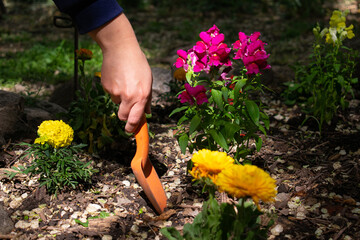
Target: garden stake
(144,171)
(67,22)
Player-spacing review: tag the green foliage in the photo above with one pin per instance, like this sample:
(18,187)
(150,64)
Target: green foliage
(40,63)
(49,62)
(58,168)
(322,86)
(230,119)
(93,115)
(86,224)
(222,221)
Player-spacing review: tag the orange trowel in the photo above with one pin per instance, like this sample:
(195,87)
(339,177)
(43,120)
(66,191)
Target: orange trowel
(144,171)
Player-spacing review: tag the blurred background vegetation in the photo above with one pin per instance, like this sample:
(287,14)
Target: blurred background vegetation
(32,49)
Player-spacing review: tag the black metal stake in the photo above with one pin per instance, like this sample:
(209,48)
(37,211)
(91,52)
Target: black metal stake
(68,23)
(76,70)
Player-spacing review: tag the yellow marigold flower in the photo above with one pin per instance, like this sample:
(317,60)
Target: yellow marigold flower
(247,181)
(84,54)
(209,163)
(180,74)
(56,133)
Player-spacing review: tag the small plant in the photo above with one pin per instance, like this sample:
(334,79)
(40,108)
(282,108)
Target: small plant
(217,171)
(93,115)
(323,85)
(55,159)
(219,110)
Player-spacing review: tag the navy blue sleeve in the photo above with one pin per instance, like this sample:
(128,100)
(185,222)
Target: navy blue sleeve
(89,14)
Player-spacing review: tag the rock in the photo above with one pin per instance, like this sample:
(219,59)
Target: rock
(17,120)
(35,116)
(277,230)
(126,183)
(6,224)
(93,208)
(34,224)
(161,80)
(106,237)
(11,115)
(22,224)
(50,107)
(42,111)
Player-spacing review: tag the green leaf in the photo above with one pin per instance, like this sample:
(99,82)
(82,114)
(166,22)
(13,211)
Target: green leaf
(189,76)
(265,119)
(258,143)
(341,80)
(84,224)
(225,92)
(178,110)
(253,110)
(183,142)
(238,86)
(182,119)
(337,67)
(219,139)
(354,80)
(217,96)
(171,233)
(195,121)
(231,129)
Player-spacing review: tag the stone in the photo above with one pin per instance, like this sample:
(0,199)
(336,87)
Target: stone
(22,224)
(277,230)
(35,116)
(18,120)
(51,108)
(11,115)
(93,208)
(6,224)
(161,80)
(126,183)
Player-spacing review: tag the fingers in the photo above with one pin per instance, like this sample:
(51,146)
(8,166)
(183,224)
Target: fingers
(132,114)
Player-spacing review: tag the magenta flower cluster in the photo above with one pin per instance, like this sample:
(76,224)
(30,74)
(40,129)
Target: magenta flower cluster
(212,52)
(252,52)
(193,94)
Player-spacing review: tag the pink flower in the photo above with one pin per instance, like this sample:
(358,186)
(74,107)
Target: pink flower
(198,57)
(181,61)
(210,51)
(215,50)
(219,55)
(192,94)
(252,52)
(211,35)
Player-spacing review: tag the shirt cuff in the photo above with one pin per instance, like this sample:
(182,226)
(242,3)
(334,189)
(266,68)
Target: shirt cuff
(96,15)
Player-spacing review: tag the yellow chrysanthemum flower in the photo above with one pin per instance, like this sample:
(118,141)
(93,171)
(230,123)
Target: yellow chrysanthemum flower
(247,181)
(209,163)
(56,133)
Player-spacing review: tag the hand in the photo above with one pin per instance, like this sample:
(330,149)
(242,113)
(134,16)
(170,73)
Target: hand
(125,72)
